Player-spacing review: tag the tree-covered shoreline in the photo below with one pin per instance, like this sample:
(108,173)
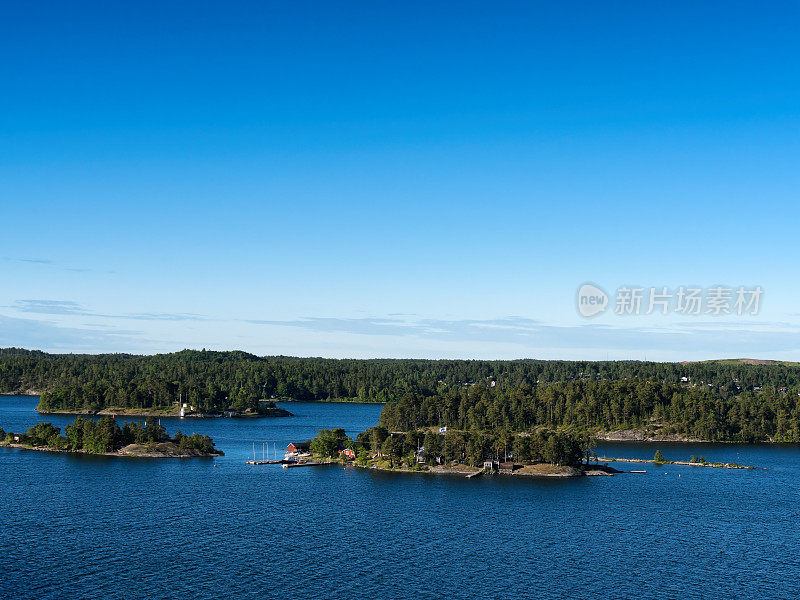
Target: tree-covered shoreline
(603,406)
(427,447)
(105,436)
(716,400)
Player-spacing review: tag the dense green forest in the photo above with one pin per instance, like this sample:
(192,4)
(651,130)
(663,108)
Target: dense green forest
(664,408)
(716,400)
(416,447)
(213,379)
(105,435)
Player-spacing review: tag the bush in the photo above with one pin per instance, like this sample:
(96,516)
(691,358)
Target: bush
(659,458)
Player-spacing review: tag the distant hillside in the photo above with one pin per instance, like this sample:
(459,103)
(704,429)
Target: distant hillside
(752,361)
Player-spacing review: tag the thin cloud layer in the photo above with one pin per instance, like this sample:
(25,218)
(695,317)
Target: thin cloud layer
(31,333)
(512,336)
(51,307)
(531,334)
(54,264)
(69,307)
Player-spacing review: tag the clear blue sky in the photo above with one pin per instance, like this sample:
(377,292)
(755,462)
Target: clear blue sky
(396,179)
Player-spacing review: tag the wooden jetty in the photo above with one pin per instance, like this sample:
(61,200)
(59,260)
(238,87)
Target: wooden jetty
(289,465)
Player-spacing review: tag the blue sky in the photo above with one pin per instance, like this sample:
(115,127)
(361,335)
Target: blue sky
(396,179)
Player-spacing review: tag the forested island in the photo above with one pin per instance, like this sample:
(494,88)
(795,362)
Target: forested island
(106,437)
(729,400)
(541,452)
(54,404)
(486,434)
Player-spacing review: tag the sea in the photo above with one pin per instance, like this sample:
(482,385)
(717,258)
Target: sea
(83,527)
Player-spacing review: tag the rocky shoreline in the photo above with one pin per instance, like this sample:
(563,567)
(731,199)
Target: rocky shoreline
(684,463)
(154,450)
(164,414)
(536,470)
(642,435)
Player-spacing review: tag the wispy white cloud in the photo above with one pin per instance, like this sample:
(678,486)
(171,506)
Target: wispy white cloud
(54,264)
(73,326)
(34,333)
(532,334)
(51,307)
(69,307)
(37,261)
(164,317)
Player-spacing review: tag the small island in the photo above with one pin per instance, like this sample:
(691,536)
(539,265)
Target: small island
(694,461)
(106,437)
(540,453)
(259,408)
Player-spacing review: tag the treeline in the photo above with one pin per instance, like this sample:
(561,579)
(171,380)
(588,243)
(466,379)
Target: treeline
(105,435)
(664,408)
(469,447)
(213,381)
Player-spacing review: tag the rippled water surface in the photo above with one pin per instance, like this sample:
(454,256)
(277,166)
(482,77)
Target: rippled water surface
(100,527)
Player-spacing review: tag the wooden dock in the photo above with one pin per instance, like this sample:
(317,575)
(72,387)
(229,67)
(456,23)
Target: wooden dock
(290,465)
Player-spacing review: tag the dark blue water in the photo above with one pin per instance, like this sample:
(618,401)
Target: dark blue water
(83,527)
